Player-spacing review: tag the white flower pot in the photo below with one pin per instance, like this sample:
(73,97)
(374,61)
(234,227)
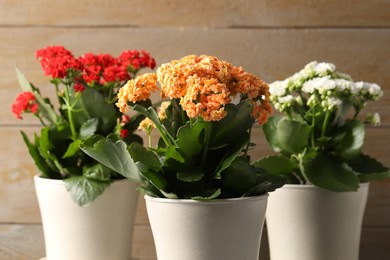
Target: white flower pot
(308,223)
(227,229)
(100,231)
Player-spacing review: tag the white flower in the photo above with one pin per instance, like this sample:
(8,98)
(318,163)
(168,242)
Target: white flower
(374,90)
(323,85)
(343,85)
(278,88)
(373,119)
(287,100)
(332,103)
(323,68)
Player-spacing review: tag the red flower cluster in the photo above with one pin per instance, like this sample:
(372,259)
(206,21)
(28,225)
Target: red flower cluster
(93,69)
(25,102)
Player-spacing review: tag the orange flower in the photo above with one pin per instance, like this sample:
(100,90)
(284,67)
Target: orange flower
(137,89)
(205,97)
(163,107)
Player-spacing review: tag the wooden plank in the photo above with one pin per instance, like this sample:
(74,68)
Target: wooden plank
(26,242)
(200,13)
(21,242)
(270,54)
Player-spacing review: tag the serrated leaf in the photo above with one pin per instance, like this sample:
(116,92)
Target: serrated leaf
(89,128)
(84,190)
(113,155)
(369,169)
(141,154)
(276,164)
(329,172)
(267,184)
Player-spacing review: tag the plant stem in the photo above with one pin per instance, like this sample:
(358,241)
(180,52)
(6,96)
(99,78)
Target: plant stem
(325,124)
(313,123)
(206,147)
(69,111)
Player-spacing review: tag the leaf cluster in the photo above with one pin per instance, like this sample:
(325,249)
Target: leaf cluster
(330,159)
(194,159)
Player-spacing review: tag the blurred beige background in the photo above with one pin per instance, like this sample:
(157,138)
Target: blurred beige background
(271,38)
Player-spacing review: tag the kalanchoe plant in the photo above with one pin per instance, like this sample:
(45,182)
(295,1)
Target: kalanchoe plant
(86,88)
(204,122)
(321,134)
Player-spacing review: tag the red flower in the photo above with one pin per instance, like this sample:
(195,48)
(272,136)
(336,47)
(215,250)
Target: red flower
(25,102)
(124,133)
(56,60)
(78,87)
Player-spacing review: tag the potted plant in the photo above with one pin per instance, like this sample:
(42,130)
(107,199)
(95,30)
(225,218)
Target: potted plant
(87,209)
(204,198)
(318,140)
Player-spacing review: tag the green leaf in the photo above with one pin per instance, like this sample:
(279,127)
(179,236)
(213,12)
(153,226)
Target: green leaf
(267,183)
(239,177)
(190,174)
(173,159)
(44,168)
(141,154)
(84,190)
(352,143)
(369,169)
(237,121)
(89,128)
(86,108)
(329,172)
(23,82)
(158,180)
(276,164)
(213,195)
(270,131)
(190,139)
(97,172)
(293,136)
(113,155)
(231,154)
(73,148)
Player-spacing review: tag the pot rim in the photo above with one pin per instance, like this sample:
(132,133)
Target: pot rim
(205,202)
(312,186)
(61,181)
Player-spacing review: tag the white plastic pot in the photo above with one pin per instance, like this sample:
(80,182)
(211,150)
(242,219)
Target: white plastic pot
(100,231)
(227,229)
(309,223)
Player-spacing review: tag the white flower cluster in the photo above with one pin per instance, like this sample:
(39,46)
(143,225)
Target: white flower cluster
(318,84)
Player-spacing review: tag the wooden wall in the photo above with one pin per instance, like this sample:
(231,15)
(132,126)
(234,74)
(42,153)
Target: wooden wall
(271,38)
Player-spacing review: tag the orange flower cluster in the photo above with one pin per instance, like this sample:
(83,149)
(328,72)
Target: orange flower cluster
(204,85)
(137,89)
